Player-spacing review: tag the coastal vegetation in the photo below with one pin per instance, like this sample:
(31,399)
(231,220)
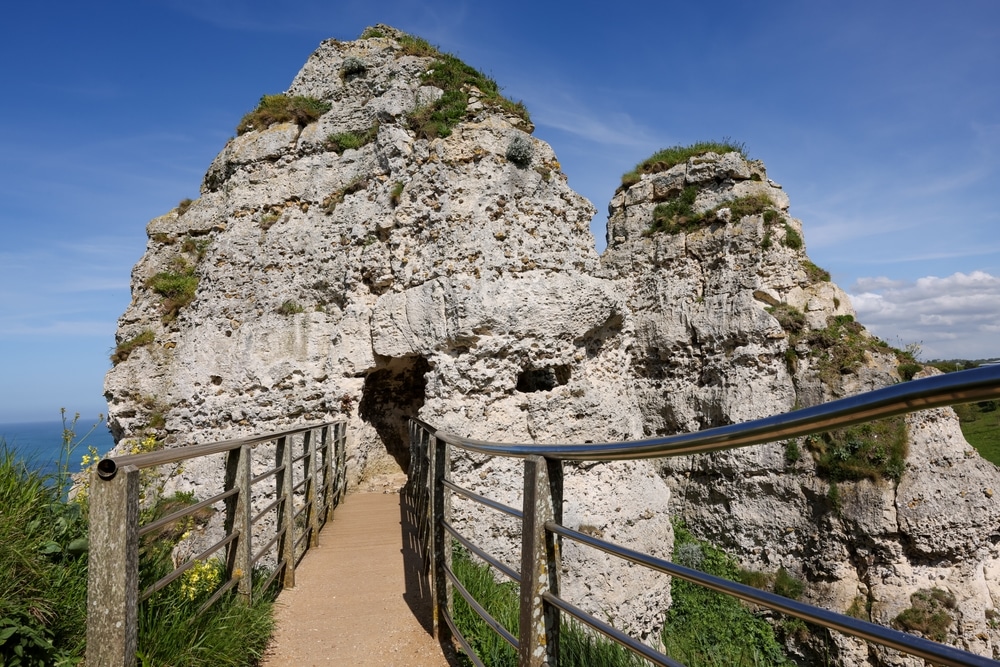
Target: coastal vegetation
(271,109)
(43,590)
(666,158)
(457,80)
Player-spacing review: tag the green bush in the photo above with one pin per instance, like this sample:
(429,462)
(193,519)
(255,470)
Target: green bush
(176,287)
(372,33)
(814,273)
(396,193)
(127,347)
(453,77)
(792,238)
(43,590)
(874,450)
(281,108)
(352,66)
(678,214)
(708,628)
(343,141)
(520,151)
(666,158)
(290,307)
(789,317)
(928,614)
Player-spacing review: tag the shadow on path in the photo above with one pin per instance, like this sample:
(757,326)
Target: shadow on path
(418,591)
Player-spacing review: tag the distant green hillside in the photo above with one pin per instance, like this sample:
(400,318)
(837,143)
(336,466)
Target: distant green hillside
(980,424)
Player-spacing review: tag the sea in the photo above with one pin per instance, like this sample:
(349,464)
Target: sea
(40,443)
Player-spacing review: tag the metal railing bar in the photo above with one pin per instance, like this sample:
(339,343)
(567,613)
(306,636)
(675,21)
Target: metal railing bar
(267,547)
(301,457)
(298,486)
(613,633)
(189,509)
(216,595)
(298,542)
(171,577)
(175,454)
(267,509)
(261,477)
(472,495)
(271,577)
(466,647)
(479,609)
(901,641)
(511,573)
(932,392)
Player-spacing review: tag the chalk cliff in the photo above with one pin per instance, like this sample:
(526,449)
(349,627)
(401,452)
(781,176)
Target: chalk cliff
(370,264)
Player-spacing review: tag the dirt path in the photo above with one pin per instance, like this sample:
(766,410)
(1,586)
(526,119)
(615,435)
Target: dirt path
(358,598)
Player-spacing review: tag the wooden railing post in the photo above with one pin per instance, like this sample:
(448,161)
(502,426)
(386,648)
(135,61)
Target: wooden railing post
(440,470)
(538,634)
(329,470)
(240,551)
(286,515)
(113,570)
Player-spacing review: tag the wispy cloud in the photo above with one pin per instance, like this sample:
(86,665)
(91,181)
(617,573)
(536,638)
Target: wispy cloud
(957,316)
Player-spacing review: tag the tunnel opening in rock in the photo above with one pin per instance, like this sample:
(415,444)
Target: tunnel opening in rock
(394,391)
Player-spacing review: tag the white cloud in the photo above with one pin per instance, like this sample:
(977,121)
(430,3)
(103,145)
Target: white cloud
(957,316)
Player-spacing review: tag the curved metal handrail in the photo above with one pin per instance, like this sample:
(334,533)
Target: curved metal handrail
(933,392)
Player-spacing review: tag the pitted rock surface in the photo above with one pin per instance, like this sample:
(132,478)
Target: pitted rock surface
(437,278)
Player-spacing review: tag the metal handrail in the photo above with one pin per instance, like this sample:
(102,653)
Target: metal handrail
(432,488)
(976,384)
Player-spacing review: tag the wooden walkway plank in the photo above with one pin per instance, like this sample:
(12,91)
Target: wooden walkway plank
(359,598)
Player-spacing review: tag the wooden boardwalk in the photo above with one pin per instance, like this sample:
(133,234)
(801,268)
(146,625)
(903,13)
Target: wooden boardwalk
(359,598)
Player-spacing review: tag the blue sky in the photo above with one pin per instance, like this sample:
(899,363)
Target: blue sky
(881,120)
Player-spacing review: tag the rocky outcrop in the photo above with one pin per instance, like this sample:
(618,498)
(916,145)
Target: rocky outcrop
(364,264)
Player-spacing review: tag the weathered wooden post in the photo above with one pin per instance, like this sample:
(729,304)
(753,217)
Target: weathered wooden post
(113,570)
(240,551)
(538,634)
(286,515)
(312,497)
(329,470)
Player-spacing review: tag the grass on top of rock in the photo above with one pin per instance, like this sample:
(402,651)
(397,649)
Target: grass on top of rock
(678,215)
(128,346)
(282,108)
(666,158)
(456,79)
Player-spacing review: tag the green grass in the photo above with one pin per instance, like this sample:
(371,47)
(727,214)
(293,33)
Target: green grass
(980,424)
(678,214)
(874,450)
(176,287)
(127,347)
(708,629)
(454,77)
(343,141)
(928,613)
(666,158)
(577,647)
(228,634)
(43,590)
(281,108)
(290,307)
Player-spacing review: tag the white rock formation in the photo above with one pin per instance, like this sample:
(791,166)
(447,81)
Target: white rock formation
(455,278)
